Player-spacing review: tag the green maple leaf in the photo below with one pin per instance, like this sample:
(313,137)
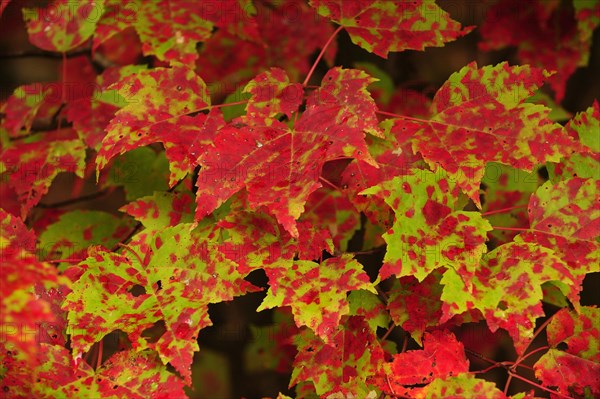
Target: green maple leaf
(158,103)
(161,209)
(344,365)
(462,386)
(508,289)
(22,308)
(586,126)
(427,232)
(128,374)
(415,305)
(559,248)
(316,292)
(75,231)
(178,276)
(577,368)
(480,116)
(32,166)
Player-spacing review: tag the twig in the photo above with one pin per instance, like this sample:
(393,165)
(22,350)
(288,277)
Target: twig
(44,54)
(72,201)
(321,54)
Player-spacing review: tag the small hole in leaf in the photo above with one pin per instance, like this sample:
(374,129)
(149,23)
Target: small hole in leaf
(562,346)
(137,290)
(502,305)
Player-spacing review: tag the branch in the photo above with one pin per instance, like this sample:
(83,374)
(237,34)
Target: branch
(321,54)
(72,201)
(543,388)
(503,210)
(43,54)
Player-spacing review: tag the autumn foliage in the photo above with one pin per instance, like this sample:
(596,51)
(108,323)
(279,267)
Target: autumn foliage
(377,224)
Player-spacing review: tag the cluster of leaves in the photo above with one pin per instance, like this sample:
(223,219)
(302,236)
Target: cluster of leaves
(284,177)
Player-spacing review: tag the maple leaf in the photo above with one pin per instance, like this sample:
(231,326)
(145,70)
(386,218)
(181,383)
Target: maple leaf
(91,115)
(291,158)
(345,365)
(167,29)
(508,289)
(271,93)
(568,373)
(565,218)
(34,165)
(479,116)
(415,305)
(462,386)
(586,126)
(24,313)
(576,369)
(285,160)
(125,374)
(442,356)
(236,16)
(316,292)
(546,34)
(63,25)
(344,110)
(149,118)
(578,330)
(392,159)
(161,210)
(140,172)
(427,232)
(71,235)
(327,208)
(28,103)
(557,114)
(507,188)
(383,26)
(587,14)
(254,240)
(226,59)
(368,305)
(179,278)
(3,5)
